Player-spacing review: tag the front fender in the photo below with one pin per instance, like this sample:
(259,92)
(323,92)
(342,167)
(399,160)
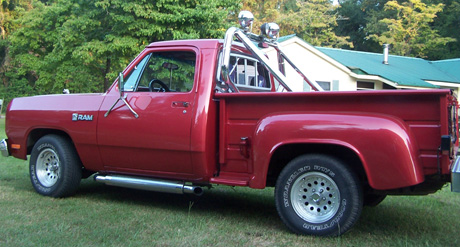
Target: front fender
(384,144)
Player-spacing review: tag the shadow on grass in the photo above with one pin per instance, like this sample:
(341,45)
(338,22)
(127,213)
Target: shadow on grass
(239,204)
(404,220)
(396,218)
(255,207)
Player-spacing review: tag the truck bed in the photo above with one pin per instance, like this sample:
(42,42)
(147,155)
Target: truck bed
(422,112)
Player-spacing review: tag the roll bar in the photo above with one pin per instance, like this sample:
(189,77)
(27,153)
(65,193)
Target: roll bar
(269,35)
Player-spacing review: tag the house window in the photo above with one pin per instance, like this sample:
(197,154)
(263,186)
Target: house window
(386,86)
(325,85)
(364,85)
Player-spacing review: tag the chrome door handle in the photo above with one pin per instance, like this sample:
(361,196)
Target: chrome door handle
(180,104)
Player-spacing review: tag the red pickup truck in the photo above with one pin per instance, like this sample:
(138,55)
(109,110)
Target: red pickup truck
(188,114)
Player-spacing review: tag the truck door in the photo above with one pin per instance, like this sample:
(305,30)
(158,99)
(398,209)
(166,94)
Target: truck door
(159,87)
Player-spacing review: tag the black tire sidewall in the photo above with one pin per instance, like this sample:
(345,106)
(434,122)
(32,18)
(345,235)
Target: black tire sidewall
(69,174)
(346,181)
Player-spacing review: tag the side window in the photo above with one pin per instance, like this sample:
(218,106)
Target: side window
(171,71)
(248,74)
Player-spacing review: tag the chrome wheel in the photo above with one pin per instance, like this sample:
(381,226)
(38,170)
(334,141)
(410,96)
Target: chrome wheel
(48,167)
(315,197)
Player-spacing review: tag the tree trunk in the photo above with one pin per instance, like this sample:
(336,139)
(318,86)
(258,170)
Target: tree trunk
(106,71)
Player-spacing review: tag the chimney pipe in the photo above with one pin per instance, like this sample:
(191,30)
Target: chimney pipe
(386,48)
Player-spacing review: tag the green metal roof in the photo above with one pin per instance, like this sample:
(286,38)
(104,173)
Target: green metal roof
(450,66)
(404,71)
(284,38)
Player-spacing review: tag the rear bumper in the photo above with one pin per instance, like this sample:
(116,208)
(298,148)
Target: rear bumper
(455,173)
(4,147)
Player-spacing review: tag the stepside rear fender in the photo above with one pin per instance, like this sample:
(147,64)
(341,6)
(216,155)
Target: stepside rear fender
(384,144)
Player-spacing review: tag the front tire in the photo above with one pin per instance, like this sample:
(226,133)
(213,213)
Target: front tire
(318,195)
(55,168)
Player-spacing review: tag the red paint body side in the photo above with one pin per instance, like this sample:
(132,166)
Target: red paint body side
(26,116)
(395,134)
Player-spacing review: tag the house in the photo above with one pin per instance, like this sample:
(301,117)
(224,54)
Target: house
(345,70)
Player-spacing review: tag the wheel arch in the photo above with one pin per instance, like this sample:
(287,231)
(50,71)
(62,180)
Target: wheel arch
(38,133)
(283,154)
(381,148)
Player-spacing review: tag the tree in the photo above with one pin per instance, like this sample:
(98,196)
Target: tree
(409,29)
(83,44)
(264,11)
(312,20)
(353,16)
(447,23)
(9,11)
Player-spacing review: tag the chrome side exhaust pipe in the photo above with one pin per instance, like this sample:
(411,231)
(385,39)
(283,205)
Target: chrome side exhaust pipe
(157,185)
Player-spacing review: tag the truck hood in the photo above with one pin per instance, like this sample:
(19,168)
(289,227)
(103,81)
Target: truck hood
(58,102)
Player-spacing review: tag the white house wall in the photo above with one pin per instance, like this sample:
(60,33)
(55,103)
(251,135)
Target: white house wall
(453,86)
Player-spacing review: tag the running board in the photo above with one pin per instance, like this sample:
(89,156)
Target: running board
(157,185)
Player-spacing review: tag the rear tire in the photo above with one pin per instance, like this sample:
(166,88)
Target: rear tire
(55,168)
(318,195)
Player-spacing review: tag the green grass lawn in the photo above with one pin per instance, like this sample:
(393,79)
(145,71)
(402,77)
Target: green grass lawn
(100,215)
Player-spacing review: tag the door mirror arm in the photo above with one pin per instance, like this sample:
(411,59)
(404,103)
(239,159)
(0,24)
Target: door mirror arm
(121,84)
(122,97)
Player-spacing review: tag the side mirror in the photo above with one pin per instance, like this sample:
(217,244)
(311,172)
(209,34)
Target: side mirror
(121,83)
